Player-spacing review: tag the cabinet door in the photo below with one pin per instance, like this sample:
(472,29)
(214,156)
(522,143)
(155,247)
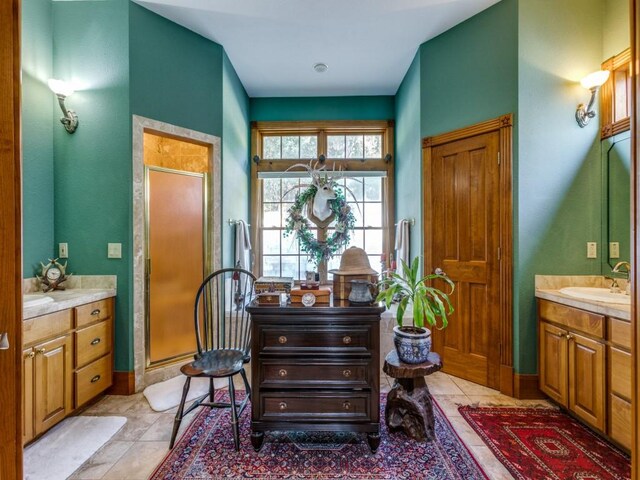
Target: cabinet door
(587,380)
(553,362)
(52,380)
(27,395)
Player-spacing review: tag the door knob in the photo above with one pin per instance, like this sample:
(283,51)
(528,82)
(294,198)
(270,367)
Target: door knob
(4,341)
(439,271)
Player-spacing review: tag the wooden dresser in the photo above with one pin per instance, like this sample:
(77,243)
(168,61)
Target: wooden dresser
(316,369)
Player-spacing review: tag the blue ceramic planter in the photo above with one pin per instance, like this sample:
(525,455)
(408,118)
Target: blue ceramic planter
(412,344)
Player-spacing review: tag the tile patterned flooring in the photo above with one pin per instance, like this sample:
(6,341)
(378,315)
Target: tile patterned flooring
(135,451)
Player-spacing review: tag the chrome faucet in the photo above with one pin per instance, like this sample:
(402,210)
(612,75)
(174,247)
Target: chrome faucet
(624,269)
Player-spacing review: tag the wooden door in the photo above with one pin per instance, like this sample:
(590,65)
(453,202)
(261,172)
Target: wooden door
(10,243)
(175,246)
(463,194)
(27,395)
(52,378)
(587,380)
(553,363)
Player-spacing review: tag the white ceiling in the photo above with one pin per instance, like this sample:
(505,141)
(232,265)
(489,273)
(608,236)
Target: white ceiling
(273,44)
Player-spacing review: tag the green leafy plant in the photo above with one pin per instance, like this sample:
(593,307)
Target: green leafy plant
(429,303)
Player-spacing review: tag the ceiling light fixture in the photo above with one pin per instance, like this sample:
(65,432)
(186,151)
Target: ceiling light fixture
(320,67)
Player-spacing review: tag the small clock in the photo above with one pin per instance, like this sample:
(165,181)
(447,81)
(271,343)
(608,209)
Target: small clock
(308,299)
(53,275)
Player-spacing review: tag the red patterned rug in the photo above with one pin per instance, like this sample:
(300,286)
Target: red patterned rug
(205,451)
(539,444)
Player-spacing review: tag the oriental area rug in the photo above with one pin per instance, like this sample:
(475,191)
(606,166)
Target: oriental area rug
(205,451)
(541,443)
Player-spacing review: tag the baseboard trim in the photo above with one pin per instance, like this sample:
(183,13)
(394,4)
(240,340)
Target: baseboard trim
(526,387)
(124,383)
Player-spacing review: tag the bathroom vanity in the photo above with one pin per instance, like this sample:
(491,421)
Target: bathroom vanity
(67,354)
(584,359)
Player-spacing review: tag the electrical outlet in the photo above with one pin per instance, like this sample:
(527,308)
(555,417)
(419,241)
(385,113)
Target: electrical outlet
(114,250)
(614,249)
(592,249)
(63,250)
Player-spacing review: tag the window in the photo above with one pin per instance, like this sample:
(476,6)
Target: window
(366,180)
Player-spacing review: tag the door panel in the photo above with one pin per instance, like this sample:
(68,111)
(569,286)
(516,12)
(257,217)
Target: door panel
(176,253)
(553,363)
(463,193)
(27,395)
(587,380)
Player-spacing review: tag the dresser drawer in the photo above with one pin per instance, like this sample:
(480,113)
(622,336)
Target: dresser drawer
(92,342)
(93,379)
(287,339)
(314,374)
(619,332)
(315,406)
(93,312)
(620,420)
(47,326)
(573,318)
(620,372)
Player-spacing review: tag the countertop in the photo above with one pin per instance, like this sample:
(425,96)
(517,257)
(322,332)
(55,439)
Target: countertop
(64,299)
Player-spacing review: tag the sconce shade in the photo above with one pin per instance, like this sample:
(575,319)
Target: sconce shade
(60,87)
(595,79)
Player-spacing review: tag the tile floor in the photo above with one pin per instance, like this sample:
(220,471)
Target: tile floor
(134,452)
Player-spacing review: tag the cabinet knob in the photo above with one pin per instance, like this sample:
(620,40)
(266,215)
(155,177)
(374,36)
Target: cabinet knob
(346,373)
(95,379)
(282,372)
(346,405)
(95,341)
(346,339)
(95,312)
(282,339)
(283,405)
(41,351)
(569,336)
(31,354)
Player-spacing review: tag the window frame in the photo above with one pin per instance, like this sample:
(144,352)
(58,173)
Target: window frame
(259,130)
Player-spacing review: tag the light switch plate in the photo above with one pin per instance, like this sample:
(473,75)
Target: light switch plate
(592,249)
(614,249)
(114,250)
(63,250)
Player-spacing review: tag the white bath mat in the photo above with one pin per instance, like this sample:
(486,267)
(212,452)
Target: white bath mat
(165,395)
(64,448)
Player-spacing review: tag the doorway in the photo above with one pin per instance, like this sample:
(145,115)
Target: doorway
(467,178)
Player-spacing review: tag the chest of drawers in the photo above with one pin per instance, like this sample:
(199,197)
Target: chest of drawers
(315,369)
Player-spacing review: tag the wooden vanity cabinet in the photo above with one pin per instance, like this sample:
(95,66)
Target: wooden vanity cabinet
(619,378)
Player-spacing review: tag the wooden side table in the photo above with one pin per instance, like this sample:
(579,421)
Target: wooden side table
(409,405)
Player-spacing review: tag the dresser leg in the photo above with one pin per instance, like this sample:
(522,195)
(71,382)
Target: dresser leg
(256,440)
(374,441)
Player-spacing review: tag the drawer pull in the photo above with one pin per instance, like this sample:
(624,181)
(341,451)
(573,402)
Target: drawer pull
(41,351)
(282,372)
(95,379)
(31,354)
(95,341)
(346,405)
(346,339)
(96,312)
(346,373)
(283,405)
(282,339)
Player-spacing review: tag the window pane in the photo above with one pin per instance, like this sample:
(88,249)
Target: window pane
(373,189)
(357,212)
(309,147)
(373,215)
(271,215)
(289,244)
(374,261)
(285,213)
(288,192)
(335,146)
(355,146)
(356,186)
(270,266)
(290,147)
(357,239)
(271,241)
(334,263)
(373,146)
(271,190)
(373,241)
(290,267)
(271,147)
(306,266)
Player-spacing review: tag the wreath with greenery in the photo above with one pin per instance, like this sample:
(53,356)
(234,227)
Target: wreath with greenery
(297,223)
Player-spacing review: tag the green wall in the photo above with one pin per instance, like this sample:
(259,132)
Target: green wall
(616,26)
(38,122)
(235,156)
(322,108)
(559,174)
(408,151)
(93,166)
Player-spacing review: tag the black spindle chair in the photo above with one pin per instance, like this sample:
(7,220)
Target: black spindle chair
(223,335)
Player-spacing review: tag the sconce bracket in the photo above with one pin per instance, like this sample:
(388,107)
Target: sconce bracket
(584,113)
(69,119)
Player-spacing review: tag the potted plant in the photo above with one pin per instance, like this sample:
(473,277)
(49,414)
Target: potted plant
(430,306)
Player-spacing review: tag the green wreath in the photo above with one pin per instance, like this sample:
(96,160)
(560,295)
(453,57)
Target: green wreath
(297,223)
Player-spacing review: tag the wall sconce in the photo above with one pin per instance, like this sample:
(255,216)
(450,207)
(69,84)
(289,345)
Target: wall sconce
(592,82)
(62,90)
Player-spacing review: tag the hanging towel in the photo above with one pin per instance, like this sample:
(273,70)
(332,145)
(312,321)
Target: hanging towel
(243,245)
(402,245)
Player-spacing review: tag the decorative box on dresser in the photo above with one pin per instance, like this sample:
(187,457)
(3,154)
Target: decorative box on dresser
(315,368)
(67,359)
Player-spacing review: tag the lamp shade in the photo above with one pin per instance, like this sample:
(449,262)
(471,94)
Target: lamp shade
(595,79)
(60,87)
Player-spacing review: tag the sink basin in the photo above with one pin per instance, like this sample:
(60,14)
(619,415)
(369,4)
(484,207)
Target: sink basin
(598,294)
(34,299)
